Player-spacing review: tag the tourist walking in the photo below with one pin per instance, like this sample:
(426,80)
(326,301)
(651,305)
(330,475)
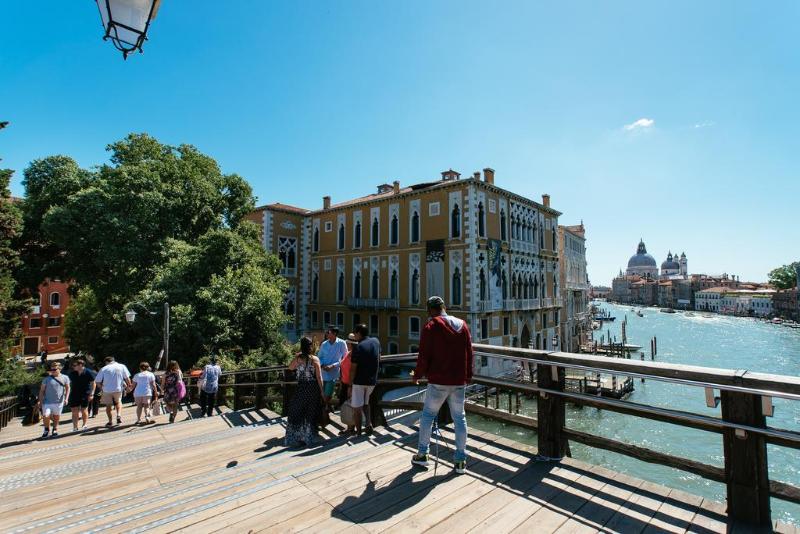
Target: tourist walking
(144,393)
(43,358)
(331,353)
(306,404)
(115,379)
(364,365)
(446,359)
(81,393)
(210,387)
(344,382)
(53,395)
(173,387)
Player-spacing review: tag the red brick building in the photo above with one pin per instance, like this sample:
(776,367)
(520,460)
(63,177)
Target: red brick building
(43,326)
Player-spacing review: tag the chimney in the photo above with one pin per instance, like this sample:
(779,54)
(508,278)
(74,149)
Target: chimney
(488,175)
(546,200)
(326,202)
(476,175)
(396,186)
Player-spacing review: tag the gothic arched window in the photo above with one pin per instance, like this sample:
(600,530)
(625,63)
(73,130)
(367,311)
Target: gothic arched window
(340,288)
(504,283)
(482,284)
(481,220)
(357,235)
(503,229)
(374,236)
(415,227)
(316,239)
(315,288)
(455,222)
(393,285)
(357,286)
(394,231)
(341,236)
(455,297)
(374,285)
(415,287)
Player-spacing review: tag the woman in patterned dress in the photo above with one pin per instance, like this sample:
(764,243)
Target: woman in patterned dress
(306,404)
(172,389)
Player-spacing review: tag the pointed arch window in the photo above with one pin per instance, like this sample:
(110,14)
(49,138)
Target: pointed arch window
(357,286)
(393,286)
(374,235)
(503,229)
(415,287)
(535,288)
(481,220)
(482,284)
(504,282)
(290,259)
(455,222)
(525,289)
(315,288)
(341,236)
(316,239)
(513,286)
(394,231)
(455,297)
(55,299)
(289,306)
(374,286)
(340,288)
(415,227)
(357,235)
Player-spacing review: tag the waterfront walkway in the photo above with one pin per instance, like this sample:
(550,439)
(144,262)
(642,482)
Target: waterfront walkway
(231,473)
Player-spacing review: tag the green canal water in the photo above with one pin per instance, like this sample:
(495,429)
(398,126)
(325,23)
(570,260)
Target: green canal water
(713,341)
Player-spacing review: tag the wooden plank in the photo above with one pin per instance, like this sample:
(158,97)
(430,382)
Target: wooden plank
(711,516)
(563,506)
(603,505)
(635,514)
(675,513)
(554,481)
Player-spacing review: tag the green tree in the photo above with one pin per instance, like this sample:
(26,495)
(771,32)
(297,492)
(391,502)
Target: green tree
(785,276)
(12,374)
(159,223)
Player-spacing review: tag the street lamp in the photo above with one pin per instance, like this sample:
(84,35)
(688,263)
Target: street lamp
(130,317)
(126,22)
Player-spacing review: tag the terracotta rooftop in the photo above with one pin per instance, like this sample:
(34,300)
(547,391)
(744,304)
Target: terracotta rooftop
(284,207)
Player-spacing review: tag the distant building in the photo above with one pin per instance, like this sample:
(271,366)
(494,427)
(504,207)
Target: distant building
(736,301)
(43,325)
(490,253)
(574,286)
(599,292)
(709,299)
(786,304)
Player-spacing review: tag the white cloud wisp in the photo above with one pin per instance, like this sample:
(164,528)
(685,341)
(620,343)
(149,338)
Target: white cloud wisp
(641,124)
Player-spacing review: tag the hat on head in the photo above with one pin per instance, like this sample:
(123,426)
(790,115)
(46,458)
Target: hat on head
(435,302)
(351,338)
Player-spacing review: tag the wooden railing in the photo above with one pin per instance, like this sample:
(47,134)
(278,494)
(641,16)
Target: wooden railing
(745,400)
(8,410)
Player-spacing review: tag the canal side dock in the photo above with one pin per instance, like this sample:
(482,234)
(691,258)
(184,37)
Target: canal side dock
(231,473)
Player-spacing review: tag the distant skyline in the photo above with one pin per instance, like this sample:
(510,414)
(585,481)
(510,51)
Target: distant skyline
(676,123)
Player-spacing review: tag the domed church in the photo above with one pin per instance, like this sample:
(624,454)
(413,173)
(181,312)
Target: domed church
(642,263)
(674,266)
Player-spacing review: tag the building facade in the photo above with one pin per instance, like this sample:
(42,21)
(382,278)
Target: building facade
(43,325)
(785,304)
(490,253)
(575,323)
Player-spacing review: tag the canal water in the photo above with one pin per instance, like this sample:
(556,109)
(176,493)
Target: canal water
(702,339)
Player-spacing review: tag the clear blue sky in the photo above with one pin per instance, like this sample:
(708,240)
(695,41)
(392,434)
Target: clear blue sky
(308,98)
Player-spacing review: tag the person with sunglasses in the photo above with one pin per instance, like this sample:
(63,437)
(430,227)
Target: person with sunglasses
(53,395)
(81,393)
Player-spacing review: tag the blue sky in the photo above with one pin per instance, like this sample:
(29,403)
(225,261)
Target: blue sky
(308,98)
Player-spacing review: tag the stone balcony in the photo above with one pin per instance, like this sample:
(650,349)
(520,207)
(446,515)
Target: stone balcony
(373,304)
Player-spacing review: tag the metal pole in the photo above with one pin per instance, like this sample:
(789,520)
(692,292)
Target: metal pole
(166,334)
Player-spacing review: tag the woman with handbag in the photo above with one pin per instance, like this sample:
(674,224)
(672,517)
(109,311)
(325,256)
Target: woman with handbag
(306,404)
(173,387)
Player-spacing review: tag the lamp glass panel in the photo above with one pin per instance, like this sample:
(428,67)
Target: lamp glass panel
(132,13)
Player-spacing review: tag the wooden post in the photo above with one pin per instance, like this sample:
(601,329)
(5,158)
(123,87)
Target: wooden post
(485,397)
(551,413)
(746,470)
(260,391)
(237,403)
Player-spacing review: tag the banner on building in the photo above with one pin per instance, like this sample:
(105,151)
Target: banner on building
(434,268)
(495,263)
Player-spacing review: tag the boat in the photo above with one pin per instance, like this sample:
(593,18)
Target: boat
(596,325)
(777,320)
(689,314)
(639,313)
(604,318)
(667,310)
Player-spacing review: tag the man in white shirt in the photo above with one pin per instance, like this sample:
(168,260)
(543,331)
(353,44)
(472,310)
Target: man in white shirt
(331,353)
(115,379)
(208,393)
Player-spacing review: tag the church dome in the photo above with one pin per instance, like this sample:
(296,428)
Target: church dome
(641,258)
(671,263)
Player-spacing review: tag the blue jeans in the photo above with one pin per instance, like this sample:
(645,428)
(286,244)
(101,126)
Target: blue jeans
(435,395)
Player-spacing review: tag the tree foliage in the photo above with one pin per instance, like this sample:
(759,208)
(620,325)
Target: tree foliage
(159,223)
(12,374)
(785,276)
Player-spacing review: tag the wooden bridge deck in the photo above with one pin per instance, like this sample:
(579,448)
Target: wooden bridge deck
(231,473)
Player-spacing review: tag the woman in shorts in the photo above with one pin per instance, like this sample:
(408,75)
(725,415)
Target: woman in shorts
(144,393)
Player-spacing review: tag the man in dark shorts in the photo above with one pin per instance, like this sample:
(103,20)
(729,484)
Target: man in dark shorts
(364,365)
(81,393)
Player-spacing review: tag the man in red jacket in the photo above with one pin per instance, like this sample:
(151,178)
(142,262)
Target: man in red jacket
(445,358)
